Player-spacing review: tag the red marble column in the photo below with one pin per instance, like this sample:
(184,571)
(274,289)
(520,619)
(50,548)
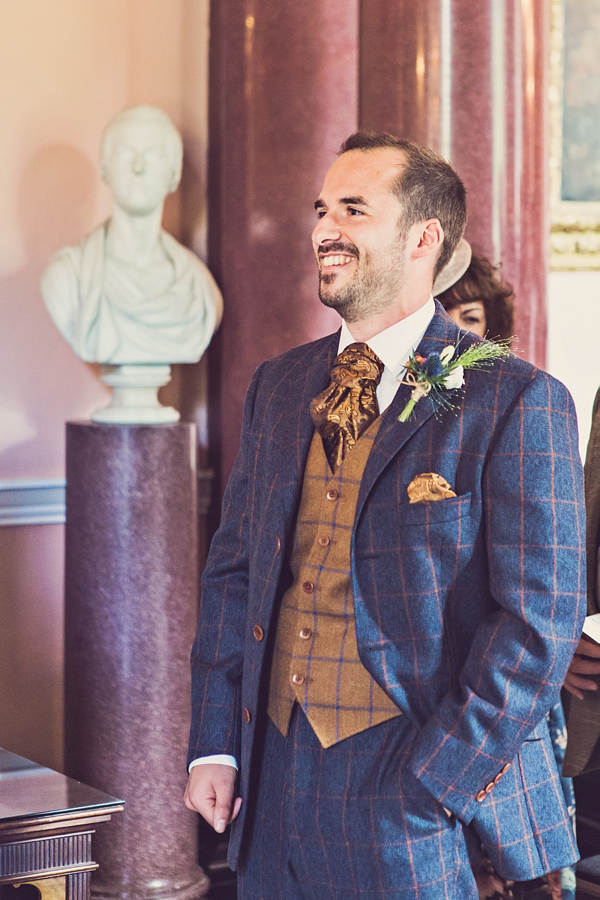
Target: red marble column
(471,80)
(284,82)
(131,585)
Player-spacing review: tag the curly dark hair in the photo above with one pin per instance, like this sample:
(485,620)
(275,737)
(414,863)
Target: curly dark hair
(482,281)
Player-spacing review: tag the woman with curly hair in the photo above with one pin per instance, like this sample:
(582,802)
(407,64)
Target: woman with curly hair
(474,295)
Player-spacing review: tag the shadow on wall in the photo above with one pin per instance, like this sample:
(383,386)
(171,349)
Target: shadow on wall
(189,391)
(43,382)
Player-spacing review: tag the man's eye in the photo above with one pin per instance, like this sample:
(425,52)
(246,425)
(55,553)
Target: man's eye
(354,212)
(320,213)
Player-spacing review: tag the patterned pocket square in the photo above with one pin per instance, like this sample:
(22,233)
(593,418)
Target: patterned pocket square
(429,486)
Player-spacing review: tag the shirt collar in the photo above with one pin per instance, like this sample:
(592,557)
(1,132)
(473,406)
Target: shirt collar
(394,345)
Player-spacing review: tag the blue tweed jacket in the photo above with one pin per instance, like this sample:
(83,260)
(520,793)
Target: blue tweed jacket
(468,610)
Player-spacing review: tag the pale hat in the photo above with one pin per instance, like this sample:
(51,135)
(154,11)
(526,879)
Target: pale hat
(454,269)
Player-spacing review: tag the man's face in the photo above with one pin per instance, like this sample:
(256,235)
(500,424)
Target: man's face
(358,241)
(139,167)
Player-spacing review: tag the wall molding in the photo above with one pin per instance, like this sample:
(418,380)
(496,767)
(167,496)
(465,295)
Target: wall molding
(41,501)
(32,501)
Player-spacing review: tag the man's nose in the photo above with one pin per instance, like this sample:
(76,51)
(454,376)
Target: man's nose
(326,229)
(139,163)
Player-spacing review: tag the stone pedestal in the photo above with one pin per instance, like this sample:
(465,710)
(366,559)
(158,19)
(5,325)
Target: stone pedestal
(130,614)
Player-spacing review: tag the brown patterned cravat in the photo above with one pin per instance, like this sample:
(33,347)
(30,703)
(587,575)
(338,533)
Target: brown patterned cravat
(348,406)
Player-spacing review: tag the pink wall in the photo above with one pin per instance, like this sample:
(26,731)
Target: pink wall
(65,68)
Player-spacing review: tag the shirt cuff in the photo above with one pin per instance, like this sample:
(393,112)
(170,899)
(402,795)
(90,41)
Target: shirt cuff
(221,759)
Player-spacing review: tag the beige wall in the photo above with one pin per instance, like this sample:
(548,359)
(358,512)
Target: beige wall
(66,67)
(573,329)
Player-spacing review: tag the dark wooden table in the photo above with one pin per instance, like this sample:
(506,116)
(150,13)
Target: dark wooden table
(46,826)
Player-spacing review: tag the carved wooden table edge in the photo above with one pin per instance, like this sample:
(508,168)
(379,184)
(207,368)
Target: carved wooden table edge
(46,826)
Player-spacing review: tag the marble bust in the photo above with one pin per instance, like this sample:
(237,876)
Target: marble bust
(129,293)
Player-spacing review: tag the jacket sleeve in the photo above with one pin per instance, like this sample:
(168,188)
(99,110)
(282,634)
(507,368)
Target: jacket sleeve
(534,519)
(218,650)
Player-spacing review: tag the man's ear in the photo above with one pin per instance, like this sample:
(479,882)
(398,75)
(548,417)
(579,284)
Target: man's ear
(430,237)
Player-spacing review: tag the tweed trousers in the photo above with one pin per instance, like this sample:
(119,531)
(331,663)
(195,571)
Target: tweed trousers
(349,821)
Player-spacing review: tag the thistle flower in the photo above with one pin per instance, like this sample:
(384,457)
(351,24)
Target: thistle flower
(433,364)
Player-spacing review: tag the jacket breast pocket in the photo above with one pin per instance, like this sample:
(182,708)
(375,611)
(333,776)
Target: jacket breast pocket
(433,512)
(414,565)
(428,536)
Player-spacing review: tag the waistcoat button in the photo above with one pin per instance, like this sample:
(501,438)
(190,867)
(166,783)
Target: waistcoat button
(332,494)
(278,545)
(258,633)
(298,679)
(305,634)
(247,715)
(308,587)
(324,540)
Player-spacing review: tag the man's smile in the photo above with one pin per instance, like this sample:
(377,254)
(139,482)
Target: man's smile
(336,255)
(335,259)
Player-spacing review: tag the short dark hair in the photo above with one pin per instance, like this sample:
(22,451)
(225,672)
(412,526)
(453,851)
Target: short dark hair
(482,281)
(428,187)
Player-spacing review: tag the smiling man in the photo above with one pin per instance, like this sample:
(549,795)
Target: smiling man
(391,602)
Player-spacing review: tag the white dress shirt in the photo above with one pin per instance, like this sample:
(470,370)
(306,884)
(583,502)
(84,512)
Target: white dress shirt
(393,346)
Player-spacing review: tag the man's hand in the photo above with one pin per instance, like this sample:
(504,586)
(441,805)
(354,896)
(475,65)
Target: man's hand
(209,791)
(582,665)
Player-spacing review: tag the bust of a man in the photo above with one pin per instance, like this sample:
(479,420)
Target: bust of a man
(130,293)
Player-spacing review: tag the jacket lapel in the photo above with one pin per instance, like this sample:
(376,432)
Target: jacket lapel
(392,434)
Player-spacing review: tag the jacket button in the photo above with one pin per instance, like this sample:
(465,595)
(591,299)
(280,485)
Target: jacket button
(305,634)
(332,494)
(324,540)
(278,545)
(481,796)
(498,778)
(297,679)
(247,715)
(308,587)
(505,769)
(489,787)
(258,633)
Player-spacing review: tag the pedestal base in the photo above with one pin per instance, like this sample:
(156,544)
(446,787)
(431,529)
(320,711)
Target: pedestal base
(135,396)
(190,888)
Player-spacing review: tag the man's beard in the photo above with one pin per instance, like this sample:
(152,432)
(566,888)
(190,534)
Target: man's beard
(372,289)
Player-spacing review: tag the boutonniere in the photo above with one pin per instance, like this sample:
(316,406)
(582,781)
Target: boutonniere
(434,375)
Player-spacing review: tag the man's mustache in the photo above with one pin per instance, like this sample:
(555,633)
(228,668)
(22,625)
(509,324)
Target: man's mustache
(338,247)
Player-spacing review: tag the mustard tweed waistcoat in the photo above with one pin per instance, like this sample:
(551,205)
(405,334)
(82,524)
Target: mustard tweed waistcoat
(316,660)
